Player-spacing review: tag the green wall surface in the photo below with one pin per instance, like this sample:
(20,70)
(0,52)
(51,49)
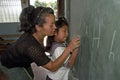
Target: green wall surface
(9,28)
(98,24)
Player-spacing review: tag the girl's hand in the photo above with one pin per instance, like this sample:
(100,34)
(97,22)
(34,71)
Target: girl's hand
(74,43)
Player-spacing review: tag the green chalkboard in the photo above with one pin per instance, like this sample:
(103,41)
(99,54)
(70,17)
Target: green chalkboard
(98,24)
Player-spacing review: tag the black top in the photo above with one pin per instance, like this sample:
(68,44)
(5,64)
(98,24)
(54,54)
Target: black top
(23,52)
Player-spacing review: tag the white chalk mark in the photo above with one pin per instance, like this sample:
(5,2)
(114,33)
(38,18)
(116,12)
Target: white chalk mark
(96,38)
(113,40)
(92,43)
(111,54)
(86,32)
(99,38)
(93,37)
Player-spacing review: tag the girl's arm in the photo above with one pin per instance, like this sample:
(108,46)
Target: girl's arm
(72,58)
(54,65)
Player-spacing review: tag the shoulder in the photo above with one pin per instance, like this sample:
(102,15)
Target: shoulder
(56,46)
(59,50)
(27,42)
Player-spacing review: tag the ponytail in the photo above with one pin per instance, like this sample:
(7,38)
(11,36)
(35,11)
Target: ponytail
(26,19)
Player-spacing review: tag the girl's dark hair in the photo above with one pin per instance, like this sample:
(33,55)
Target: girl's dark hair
(31,16)
(59,23)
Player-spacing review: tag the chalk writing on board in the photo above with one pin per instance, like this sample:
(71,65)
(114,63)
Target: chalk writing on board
(111,53)
(97,38)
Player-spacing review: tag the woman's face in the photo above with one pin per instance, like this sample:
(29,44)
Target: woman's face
(49,27)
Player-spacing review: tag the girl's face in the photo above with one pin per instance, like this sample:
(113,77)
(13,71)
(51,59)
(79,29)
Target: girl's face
(49,27)
(62,34)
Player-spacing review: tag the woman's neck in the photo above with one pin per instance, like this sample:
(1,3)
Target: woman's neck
(39,37)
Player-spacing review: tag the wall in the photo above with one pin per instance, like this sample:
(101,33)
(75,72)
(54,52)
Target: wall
(14,73)
(9,28)
(98,24)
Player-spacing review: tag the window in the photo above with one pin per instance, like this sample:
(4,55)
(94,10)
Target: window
(46,3)
(10,10)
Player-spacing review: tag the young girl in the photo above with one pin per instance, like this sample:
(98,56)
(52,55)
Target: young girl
(56,47)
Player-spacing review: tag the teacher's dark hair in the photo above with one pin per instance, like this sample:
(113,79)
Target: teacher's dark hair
(31,16)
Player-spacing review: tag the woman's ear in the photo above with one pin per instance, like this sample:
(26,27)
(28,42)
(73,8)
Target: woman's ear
(38,28)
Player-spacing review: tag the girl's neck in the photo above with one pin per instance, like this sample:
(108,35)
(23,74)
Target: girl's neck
(59,41)
(56,40)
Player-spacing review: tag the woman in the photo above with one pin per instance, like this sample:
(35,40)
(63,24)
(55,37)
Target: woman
(36,23)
